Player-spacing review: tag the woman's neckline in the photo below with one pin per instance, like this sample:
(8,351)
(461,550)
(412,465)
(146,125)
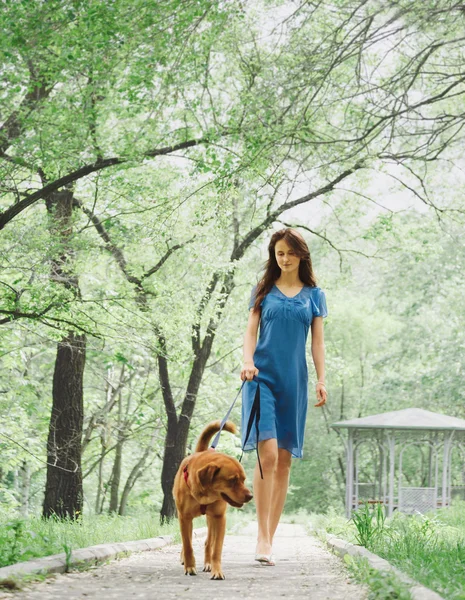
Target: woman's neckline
(290,297)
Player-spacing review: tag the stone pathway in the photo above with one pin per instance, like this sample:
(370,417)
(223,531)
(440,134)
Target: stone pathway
(304,570)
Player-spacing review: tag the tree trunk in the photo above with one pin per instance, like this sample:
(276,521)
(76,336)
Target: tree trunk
(171,460)
(116,477)
(25,488)
(100,473)
(104,495)
(63,489)
(131,480)
(116,473)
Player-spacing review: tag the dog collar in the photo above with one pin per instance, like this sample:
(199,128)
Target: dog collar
(203,507)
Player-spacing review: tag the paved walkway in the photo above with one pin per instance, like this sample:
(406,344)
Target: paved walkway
(304,570)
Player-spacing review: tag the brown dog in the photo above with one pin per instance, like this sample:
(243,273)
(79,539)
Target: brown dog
(206,483)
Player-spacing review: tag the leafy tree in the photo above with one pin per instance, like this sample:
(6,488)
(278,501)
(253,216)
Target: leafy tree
(178,139)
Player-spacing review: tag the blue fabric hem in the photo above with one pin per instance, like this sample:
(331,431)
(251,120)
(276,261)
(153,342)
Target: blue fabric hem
(251,447)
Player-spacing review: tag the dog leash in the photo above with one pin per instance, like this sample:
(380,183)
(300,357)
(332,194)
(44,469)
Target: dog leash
(254,413)
(226,417)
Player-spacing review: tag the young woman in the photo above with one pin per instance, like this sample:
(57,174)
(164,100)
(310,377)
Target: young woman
(286,303)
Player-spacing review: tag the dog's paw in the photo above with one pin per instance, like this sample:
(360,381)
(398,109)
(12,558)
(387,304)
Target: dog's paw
(190,571)
(217,575)
(207,568)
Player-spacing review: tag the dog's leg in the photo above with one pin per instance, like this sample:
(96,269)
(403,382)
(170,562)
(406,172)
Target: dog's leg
(187,553)
(209,542)
(219,528)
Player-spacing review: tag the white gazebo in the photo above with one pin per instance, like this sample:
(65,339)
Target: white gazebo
(392,439)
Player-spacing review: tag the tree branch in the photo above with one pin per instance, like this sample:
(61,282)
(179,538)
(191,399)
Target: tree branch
(13,211)
(273,215)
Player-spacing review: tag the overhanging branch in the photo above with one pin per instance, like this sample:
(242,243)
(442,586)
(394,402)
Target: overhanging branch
(14,210)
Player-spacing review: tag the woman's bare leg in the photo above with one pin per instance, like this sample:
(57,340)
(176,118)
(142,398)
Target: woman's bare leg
(262,490)
(279,491)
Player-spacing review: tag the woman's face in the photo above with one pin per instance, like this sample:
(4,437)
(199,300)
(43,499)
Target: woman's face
(286,258)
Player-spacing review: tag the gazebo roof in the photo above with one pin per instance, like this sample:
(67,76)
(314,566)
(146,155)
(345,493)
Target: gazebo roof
(409,418)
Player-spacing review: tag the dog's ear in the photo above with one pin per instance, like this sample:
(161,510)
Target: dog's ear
(208,474)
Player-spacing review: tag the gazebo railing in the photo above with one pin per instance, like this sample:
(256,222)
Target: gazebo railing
(414,500)
(408,497)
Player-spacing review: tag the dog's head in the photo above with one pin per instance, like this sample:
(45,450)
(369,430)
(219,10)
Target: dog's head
(224,477)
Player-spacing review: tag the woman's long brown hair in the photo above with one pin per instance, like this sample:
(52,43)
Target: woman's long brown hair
(272,270)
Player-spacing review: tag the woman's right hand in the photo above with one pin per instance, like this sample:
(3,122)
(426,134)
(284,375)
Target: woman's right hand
(249,370)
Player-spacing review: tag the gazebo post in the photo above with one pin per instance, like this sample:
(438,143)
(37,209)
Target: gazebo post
(385,474)
(392,464)
(430,460)
(445,468)
(349,473)
(380,470)
(449,478)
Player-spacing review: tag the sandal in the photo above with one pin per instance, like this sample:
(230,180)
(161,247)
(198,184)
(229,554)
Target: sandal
(265,559)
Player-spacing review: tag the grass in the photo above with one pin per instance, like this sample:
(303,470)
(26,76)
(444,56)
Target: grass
(21,540)
(383,585)
(24,539)
(430,548)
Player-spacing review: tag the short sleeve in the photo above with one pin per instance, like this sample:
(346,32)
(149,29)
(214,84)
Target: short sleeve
(252,297)
(319,306)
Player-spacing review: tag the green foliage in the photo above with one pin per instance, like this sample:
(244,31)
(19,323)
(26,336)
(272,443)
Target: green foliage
(12,534)
(429,548)
(22,540)
(281,115)
(370,524)
(68,555)
(383,585)
(412,535)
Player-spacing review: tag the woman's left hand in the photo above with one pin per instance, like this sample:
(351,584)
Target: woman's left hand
(321,394)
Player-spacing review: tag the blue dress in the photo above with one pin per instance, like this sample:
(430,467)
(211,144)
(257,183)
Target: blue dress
(280,358)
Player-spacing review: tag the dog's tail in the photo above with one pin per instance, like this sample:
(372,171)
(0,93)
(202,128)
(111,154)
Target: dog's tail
(209,431)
